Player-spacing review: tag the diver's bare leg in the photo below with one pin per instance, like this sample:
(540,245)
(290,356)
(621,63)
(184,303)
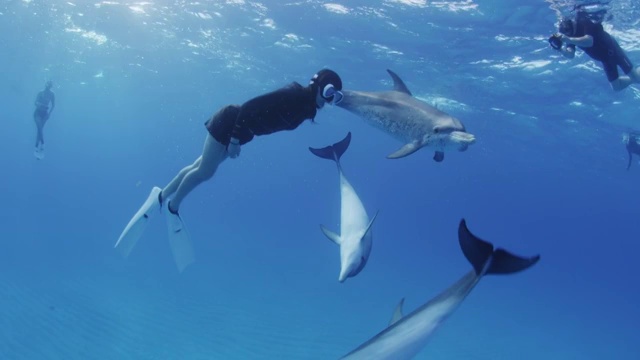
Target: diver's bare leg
(39,126)
(213,154)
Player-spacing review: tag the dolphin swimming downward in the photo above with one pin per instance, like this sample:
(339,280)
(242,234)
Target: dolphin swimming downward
(405,336)
(355,227)
(414,122)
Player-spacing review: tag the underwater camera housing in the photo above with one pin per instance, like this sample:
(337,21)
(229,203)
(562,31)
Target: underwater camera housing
(555,41)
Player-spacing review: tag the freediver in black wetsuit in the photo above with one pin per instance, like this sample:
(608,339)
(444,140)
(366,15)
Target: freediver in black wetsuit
(228,129)
(589,35)
(41,114)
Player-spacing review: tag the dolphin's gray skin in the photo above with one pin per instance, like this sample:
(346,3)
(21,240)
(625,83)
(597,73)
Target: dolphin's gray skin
(632,142)
(355,227)
(414,122)
(405,336)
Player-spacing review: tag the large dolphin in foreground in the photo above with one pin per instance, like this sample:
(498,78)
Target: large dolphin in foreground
(355,228)
(405,336)
(414,122)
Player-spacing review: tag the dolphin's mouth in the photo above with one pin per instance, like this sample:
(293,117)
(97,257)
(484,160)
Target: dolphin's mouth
(462,139)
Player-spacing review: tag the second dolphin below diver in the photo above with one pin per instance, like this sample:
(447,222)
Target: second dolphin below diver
(412,121)
(407,335)
(355,228)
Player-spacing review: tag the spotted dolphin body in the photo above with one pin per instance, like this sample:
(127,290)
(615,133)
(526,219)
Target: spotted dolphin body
(414,122)
(407,335)
(355,227)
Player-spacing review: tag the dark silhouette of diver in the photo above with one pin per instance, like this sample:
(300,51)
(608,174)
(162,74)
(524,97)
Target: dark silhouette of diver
(41,114)
(632,142)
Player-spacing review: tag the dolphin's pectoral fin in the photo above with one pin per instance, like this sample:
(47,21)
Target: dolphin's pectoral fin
(438,156)
(330,234)
(406,150)
(370,223)
(398,84)
(629,165)
(397,313)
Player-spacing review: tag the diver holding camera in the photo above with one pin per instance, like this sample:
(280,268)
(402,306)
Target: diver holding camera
(587,33)
(555,41)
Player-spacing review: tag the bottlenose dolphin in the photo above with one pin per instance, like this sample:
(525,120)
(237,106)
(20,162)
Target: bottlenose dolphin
(414,122)
(355,228)
(407,335)
(632,142)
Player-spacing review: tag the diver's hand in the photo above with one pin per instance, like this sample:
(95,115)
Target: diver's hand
(233,149)
(566,39)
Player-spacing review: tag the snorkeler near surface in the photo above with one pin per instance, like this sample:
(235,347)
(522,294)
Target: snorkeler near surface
(631,141)
(41,114)
(586,32)
(227,130)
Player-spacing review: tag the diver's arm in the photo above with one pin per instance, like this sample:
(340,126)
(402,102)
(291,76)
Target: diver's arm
(37,101)
(583,41)
(53,103)
(629,165)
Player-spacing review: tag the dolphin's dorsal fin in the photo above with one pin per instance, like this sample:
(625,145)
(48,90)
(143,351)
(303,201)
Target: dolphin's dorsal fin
(397,313)
(407,149)
(398,84)
(330,234)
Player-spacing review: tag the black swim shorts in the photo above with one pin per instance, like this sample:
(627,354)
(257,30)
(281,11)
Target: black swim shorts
(41,112)
(221,124)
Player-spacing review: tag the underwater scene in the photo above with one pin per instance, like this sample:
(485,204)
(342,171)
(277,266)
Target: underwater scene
(306,179)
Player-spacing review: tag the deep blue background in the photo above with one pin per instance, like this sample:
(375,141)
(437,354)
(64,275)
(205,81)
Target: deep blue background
(134,84)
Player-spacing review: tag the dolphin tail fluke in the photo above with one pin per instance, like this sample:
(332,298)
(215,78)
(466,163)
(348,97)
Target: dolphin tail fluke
(335,151)
(504,262)
(485,260)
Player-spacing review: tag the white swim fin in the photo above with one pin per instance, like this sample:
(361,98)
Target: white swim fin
(179,240)
(136,226)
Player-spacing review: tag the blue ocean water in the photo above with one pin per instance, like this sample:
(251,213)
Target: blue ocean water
(134,83)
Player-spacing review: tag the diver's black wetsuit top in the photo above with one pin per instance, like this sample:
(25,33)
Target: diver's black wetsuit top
(282,109)
(602,41)
(605,48)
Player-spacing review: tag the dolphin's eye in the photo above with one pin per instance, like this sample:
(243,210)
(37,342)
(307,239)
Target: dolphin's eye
(436,130)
